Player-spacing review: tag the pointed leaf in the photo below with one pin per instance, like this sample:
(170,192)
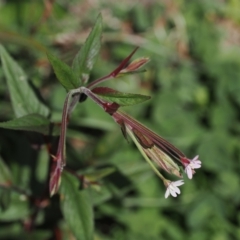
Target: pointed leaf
(63,72)
(123,99)
(31,122)
(76,207)
(87,56)
(24,100)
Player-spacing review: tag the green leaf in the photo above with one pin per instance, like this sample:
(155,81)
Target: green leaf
(123,99)
(76,207)
(31,122)
(5,175)
(99,174)
(63,72)
(24,100)
(87,56)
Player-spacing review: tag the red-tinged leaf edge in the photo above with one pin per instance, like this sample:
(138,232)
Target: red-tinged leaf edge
(135,65)
(123,63)
(104,90)
(115,73)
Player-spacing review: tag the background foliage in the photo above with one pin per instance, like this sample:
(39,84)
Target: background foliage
(194,80)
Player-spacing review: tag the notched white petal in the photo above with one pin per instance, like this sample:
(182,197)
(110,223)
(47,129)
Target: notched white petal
(172,188)
(178,183)
(188,171)
(167,193)
(195,163)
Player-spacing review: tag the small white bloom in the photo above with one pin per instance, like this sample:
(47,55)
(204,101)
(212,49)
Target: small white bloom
(172,188)
(193,164)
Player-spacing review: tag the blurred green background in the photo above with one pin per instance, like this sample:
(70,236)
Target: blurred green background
(194,81)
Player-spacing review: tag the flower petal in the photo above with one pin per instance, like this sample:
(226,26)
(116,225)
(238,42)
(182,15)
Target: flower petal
(195,166)
(172,188)
(195,158)
(178,183)
(188,171)
(173,193)
(177,190)
(167,193)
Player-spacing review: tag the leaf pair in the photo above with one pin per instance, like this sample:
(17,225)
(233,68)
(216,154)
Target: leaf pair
(83,62)
(78,75)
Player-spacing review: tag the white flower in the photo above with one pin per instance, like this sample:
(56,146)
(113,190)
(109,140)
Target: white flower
(193,164)
(172,188)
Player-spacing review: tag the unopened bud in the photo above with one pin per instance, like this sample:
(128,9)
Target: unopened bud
(135,65)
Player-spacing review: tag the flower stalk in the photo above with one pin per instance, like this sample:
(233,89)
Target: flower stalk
(152,146)
(156,150)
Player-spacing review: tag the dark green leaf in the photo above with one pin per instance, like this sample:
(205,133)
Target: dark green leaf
(18,208)
(31,122)
(123,99)
(76,208)
(5,175)
(15,231)
(11,231)
(36,235)
(87,56)
(63,72)
(24,100)
(5,197)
